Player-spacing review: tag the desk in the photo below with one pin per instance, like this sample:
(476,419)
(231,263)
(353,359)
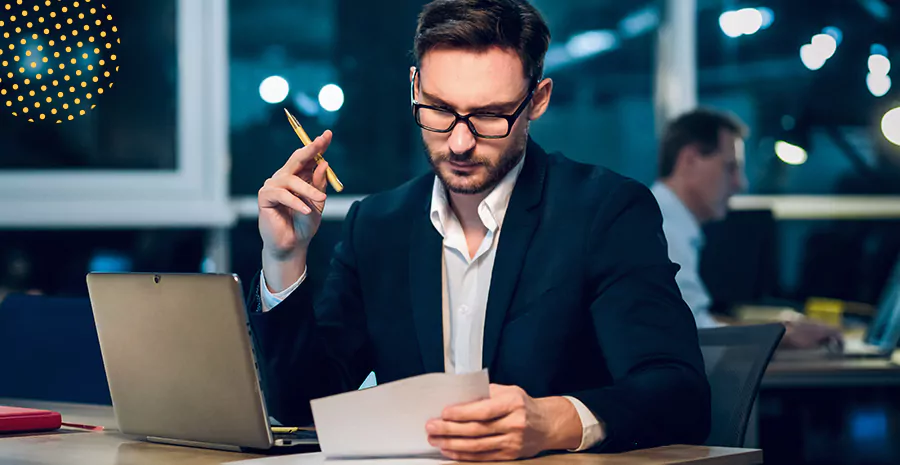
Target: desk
(820,411)
(859,372)
(111,447)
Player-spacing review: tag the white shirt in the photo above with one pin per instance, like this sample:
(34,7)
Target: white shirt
(685,239)
(468,284)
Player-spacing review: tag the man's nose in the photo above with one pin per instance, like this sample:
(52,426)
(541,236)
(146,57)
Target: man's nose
(461,138)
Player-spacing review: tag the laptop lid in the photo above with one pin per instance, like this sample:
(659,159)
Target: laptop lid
(884,331)
(179,357)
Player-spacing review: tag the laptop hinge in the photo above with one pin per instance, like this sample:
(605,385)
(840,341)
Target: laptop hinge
(204,445)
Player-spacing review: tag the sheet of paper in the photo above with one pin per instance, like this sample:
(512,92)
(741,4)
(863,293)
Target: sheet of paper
(322,459)
(389,420)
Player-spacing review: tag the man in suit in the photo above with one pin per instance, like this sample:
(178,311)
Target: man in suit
(551,274)
(701,167)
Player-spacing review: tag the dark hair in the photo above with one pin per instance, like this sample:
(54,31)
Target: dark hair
(701,127)
(481,24)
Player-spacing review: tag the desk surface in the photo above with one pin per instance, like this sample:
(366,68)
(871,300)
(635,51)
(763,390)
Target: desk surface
(833,372)
(111,447)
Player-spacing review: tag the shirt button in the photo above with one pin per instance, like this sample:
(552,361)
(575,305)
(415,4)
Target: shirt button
(464,309)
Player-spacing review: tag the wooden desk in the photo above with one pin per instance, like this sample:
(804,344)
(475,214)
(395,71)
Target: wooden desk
(111,447)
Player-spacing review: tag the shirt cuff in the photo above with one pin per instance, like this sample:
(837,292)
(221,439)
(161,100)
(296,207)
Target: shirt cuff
(591,429)
(270,300)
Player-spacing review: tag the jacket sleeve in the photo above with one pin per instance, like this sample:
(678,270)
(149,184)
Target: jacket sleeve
(307,349)
(660,394)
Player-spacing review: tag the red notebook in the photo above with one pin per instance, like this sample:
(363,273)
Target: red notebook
(21,420)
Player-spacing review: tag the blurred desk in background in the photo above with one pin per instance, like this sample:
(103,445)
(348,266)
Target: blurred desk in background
(111,447)
(848,372)
(833,411)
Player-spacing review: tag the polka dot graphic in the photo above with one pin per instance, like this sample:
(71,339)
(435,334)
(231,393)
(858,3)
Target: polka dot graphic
(57,57)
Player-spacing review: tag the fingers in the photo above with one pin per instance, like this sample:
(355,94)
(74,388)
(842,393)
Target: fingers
(304,156)
(270,197)
(482,444)
(300,188)
(471,429)
(504,400)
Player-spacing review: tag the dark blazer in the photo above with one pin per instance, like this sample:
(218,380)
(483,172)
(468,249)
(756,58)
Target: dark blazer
(582,302)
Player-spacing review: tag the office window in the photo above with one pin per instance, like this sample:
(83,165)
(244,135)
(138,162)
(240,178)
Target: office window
(134,124)
(153,151)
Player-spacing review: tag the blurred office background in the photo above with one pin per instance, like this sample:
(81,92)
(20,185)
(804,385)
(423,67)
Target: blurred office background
(162,175)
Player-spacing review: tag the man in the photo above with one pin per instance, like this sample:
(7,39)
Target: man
(701,167)
(551,274)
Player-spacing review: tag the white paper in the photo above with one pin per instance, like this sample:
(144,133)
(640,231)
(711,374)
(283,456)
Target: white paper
(321,459)
(389,420)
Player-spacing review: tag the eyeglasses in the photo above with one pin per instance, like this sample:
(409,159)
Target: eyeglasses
(484,125)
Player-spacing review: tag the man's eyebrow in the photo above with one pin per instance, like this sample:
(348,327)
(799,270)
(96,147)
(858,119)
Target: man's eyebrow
(493,107)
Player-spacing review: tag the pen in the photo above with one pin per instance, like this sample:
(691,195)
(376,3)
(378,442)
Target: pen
(80,426)
(290,429)
(332,178)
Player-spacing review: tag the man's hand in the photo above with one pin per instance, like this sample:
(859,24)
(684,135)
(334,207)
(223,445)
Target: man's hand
(290,212)
(808,334)
(508,426)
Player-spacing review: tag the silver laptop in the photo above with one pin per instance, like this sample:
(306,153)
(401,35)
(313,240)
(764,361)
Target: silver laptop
(180,361)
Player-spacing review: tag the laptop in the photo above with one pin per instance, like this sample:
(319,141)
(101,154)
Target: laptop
(883,333)
(180,361)
(880,338)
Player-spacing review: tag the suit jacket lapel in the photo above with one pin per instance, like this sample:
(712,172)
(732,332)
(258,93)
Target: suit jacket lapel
(425,289)
(515,237)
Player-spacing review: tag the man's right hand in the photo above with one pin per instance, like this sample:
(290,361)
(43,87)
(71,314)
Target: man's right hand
(290,212)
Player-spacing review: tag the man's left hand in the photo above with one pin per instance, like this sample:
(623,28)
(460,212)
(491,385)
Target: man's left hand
(508,426)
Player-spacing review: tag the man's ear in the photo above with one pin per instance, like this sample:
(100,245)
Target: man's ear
(541,99)
(412,73)
(688,157)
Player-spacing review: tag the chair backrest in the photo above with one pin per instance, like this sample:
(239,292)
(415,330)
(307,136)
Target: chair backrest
(736,358)
(49,350)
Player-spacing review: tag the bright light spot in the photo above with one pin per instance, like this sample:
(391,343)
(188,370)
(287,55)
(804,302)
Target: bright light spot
(790,153)
(768,16)
(274,89)
(890,126)
(878,49)
(751,20)
(731,24)
(879,65)
(835,33)
(331,97)
(811,58)
(590,43)
(824,45)
(745,21)
(879,84)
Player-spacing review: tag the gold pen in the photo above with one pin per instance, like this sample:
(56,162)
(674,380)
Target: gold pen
(332,178)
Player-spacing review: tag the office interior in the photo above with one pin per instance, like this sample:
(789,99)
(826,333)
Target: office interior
(162,175)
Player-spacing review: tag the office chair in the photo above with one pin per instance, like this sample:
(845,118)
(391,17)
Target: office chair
(736,358)
(49,350)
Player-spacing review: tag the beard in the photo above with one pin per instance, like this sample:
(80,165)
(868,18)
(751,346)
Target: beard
(462,182)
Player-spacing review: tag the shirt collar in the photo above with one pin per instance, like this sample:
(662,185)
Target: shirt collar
(491,210)
(676,213)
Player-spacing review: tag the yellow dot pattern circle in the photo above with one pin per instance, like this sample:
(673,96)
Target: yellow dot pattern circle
(40,41)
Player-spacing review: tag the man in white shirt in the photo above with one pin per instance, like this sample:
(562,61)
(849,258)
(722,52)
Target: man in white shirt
(551,274)
(701,167)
